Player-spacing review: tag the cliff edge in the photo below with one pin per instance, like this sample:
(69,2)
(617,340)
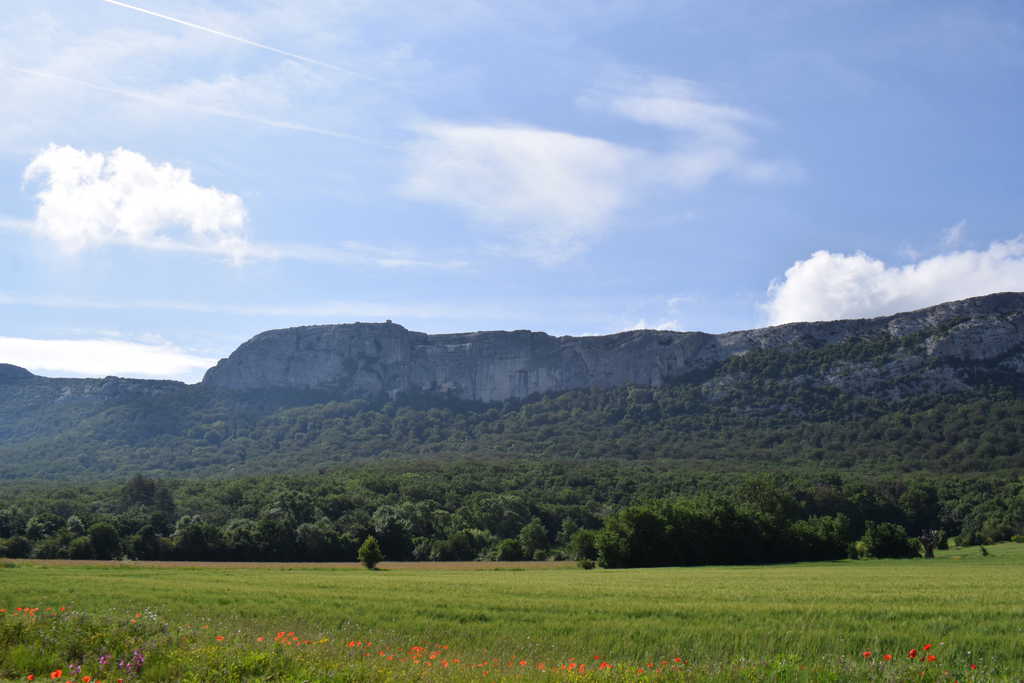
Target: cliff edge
(375,359)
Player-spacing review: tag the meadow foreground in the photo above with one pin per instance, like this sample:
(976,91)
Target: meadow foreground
(958,617)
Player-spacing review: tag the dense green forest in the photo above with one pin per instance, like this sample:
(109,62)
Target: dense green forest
(619,513)
(201,433)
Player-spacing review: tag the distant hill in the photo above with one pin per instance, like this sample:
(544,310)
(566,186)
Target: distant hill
(938,387)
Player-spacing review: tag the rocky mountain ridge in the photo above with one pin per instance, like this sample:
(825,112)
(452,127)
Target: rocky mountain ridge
(385,359)
(943,385)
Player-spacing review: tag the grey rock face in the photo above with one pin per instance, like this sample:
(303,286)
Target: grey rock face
(373,359)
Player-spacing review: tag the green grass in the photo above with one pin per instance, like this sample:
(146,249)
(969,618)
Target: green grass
(786,622)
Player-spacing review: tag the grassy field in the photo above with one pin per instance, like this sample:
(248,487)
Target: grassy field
(809,621)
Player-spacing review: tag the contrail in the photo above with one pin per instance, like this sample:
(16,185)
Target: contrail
(242,40)
(213,111)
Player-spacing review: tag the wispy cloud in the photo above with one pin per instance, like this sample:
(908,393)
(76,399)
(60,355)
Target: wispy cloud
(551,194)
(830,286)
(103,357)
(954,235)
(713,138)
(181,102)
(239,39)
(341,310)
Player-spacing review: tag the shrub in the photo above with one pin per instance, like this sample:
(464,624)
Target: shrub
(369,553)
(18,547)
(885,539)
(585,563)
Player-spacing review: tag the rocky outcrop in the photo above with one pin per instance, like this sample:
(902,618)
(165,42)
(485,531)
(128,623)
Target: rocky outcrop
(375,359)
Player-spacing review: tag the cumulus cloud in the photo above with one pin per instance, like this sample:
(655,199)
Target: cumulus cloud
(670,325)
(90,200)
(551,192)
(830,286)
(103,357)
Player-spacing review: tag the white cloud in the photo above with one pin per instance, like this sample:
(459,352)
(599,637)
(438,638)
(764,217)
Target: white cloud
(103,357)
(713,139)
(90,200)
(349,253)
(551,192)
(829,286)
(680,104)
(675,303)
(671,325)
(954,235)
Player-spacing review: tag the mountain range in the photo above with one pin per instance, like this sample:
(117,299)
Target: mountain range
(309,396)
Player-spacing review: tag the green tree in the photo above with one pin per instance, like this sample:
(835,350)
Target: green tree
(369,553)
(885,539)
(105,541)
(533,538)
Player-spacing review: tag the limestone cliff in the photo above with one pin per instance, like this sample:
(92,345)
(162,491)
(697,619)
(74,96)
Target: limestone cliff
(374,359)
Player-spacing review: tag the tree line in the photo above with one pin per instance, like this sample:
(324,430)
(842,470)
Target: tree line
(616,514)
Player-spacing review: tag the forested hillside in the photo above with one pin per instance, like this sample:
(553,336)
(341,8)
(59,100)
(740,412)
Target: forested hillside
(763,420)
(937,389)
(620,513)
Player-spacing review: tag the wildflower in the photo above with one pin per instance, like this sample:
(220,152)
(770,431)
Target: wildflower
(913,653)
(931,658)
(866,654)
(973,667)
(56,674)
(927,647)
(887,658)
(677,660)
(260,639)
(220,637)
(30,677)
(86,679)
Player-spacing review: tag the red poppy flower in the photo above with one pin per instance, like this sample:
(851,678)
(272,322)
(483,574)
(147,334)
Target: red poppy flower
(913,653)
(866,654)
(927,647)
(887,658)
(56,674)
(931,658)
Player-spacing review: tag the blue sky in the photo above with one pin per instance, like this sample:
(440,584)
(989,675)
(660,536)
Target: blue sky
(177,176)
